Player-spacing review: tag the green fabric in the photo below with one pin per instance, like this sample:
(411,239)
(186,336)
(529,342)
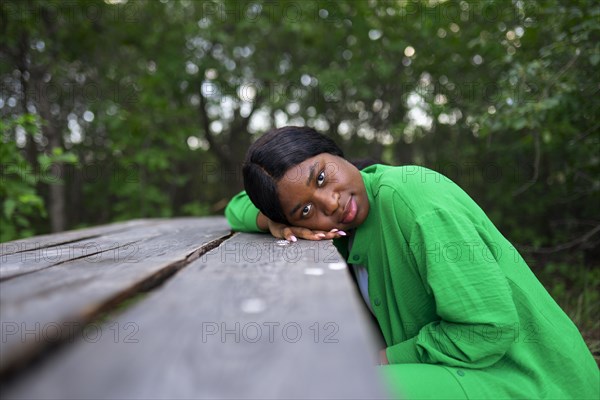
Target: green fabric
(241,213)
(405,381)
(447,288)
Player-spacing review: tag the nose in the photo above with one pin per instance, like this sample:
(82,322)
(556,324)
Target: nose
(329,202)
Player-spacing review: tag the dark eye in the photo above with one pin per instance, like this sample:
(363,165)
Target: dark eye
(321,178)
(306,210)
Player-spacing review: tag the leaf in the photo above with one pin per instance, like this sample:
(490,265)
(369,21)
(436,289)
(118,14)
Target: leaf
(9,207)
(519,124)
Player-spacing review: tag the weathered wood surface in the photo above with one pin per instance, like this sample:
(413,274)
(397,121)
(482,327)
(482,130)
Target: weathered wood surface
(43,241)
(249,319)
(51,302)
(37,255)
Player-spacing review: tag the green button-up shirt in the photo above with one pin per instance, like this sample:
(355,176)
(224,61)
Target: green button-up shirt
(448,288)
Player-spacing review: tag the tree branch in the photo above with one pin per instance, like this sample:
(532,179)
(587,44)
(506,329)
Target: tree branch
(536,167)
(564,246)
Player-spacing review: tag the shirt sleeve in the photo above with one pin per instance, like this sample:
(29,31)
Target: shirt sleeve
(457,263)
(241,213)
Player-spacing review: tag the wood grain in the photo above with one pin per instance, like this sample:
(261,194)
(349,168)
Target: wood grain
(247,320)
(43,241)
(52,304)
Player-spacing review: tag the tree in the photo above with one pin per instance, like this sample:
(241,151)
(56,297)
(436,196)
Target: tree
(498,95)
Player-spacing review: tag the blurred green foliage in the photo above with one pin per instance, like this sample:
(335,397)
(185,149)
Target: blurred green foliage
(22,205)
(146,108)
(21,202)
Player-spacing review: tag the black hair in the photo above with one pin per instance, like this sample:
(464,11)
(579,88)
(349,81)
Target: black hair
(272,155)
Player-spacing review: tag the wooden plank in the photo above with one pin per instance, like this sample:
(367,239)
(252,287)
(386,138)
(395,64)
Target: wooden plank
(119,243)
(44,241)
(51,305)
(248,320)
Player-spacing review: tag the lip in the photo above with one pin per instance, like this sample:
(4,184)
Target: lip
(350,211)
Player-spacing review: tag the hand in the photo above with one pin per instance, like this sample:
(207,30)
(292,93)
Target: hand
(292,233)
(383,360)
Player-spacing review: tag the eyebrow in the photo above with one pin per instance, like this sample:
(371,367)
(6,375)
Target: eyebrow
(311,175)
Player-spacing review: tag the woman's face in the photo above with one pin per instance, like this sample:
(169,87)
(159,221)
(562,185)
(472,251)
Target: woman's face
(322,193)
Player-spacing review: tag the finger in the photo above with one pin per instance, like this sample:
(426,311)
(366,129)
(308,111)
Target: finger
(332,234)
(323,235)
(288,234)
(308,234)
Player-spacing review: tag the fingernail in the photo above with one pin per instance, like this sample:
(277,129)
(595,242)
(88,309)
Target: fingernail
(293,238)
(322,235)
(334,230)
(342,233)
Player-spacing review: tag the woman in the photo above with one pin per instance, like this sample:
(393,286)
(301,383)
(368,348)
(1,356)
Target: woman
(461,312)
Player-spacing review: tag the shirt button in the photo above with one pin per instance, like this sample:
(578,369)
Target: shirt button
(355,257)
(377,302)
(460,372)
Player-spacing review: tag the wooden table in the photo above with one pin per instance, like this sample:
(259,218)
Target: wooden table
(180,308)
